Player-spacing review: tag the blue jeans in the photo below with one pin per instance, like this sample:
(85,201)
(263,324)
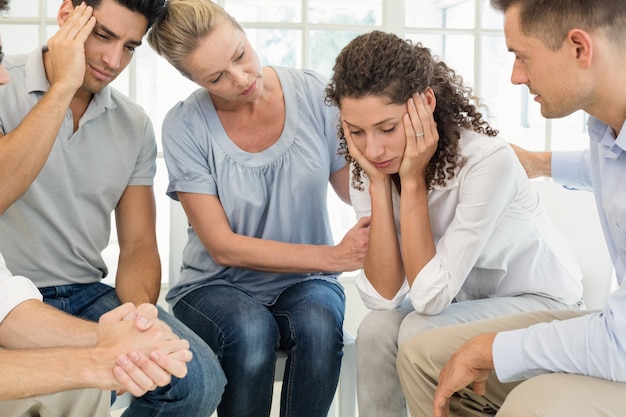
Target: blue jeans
(197,394)
(306,321)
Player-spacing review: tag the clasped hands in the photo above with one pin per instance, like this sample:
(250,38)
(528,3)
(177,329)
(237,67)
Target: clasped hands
(143,350)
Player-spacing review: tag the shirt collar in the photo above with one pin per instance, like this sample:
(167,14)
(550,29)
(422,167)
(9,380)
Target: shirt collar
(36,80)
(604,135)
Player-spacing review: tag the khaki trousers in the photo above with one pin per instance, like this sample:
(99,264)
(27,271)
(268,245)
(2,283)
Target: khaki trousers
(75,403)
(551,395)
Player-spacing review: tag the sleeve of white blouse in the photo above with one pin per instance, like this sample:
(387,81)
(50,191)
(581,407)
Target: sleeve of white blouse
(488,185)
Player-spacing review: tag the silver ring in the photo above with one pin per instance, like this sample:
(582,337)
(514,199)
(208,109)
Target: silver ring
(417,135)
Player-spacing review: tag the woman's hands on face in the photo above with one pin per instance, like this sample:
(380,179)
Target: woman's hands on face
(372,172)
(422,138)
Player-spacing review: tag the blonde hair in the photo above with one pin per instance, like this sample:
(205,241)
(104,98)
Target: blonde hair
(179,32)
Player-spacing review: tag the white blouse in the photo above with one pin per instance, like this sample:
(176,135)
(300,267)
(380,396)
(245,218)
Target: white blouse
(492,235)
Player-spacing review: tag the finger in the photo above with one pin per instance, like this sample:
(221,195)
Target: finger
(132,378)
(426,116)
(479,387)
(348,136)
(146,316)
(171,364)
(416,121)
(362,223)
(411,139)
(118,314)
(441,404)
(173,345)
(127,382)
(78,18)
(183,355)
(144,372)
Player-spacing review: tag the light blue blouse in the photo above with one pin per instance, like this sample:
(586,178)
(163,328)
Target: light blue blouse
(278,194)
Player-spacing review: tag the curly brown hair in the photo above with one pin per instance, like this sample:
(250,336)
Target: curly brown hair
(382,64)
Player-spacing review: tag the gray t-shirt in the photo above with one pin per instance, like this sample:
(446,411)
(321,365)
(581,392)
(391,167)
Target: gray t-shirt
(277,194)
(55,233)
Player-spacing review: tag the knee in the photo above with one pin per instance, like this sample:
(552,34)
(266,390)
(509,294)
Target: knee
(378,332)
(414,324)
(424,349)
(536,397)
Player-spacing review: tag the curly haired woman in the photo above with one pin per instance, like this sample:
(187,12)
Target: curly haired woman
(456,232)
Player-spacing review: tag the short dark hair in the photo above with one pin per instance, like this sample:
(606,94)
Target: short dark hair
(152,10)
(4,5)
(551,20)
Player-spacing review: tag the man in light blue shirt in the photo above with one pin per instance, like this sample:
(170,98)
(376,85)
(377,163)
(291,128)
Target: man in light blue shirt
(548,363)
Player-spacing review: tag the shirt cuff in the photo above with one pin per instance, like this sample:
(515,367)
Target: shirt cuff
(508,359)
(566,167)
(373,300)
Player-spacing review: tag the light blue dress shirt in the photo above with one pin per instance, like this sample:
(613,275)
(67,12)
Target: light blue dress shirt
(594,344)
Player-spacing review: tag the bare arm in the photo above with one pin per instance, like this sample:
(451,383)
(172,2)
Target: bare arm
(24,151)
(536,164)
(138,277)
(33,324)
(129,349)
(340,181)
(383,261)
(208,219)
(418,244)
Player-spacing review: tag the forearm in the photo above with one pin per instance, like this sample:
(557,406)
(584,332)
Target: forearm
(28,326)
(138,277)
(45,371)
(24,151)
(272,256)
(383,262)
(418,245)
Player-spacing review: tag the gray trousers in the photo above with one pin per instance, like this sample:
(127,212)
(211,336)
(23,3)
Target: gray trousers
(379,391)
(556,395)
(75,403)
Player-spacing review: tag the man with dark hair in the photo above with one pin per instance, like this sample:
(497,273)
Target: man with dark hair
(89,151)
(46,350)
(571,54)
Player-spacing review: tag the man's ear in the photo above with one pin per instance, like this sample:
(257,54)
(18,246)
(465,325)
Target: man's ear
(581,45)
(430,98)
(64,11)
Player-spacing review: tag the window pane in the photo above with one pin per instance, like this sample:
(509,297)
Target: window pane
(456,50)
(18,39)
(24,8)
(510,108)
(52,8)
(439,13)
(280,47)
(324,46)
(491,18)
(264,10)
(156,95)
(570,133)
(121,83)
(346,12)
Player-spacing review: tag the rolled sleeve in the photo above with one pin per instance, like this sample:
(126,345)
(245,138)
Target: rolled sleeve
(373,300)
(14,291)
